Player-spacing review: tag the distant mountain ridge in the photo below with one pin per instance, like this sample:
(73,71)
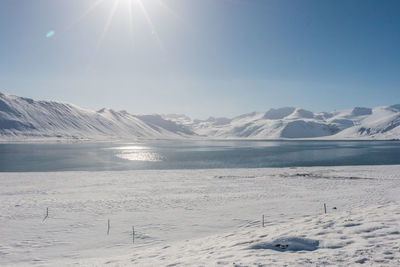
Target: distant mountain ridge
(290,122)
(24,118)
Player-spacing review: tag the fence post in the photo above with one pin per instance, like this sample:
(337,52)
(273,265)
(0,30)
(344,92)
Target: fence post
(47,214)
(133,235)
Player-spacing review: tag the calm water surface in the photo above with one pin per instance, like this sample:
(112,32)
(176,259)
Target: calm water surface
(194,155)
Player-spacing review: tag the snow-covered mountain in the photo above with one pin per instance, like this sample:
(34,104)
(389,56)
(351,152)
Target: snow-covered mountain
(26,118)
(290,122)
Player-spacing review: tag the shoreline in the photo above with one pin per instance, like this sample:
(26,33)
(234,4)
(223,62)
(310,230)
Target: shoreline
(116,140)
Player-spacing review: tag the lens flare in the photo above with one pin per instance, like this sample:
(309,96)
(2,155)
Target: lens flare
(50,34)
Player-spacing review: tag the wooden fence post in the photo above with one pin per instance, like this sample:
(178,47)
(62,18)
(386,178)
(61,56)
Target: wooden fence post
(133,235)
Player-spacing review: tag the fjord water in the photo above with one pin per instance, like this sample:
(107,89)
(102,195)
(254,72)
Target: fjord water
(90,156)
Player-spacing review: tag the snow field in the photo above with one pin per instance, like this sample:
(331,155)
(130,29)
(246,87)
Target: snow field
(198,216)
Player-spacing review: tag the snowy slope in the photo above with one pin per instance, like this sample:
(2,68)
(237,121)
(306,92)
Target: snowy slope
(382,123)
(26,118)
(290,122)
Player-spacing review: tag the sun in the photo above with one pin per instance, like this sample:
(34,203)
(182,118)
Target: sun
(130,5)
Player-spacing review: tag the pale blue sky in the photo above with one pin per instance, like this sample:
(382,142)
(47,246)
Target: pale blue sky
(202,57)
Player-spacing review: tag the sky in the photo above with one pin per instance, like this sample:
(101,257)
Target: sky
(202,57)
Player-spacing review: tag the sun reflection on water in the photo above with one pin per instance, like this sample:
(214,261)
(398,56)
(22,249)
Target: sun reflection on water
(137,153)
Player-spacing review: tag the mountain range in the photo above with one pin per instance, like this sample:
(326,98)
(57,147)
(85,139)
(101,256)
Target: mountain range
(24,119)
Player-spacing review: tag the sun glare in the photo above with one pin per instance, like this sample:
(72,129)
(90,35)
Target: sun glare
(130,6)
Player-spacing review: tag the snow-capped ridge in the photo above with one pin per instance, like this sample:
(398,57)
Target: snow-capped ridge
(279,113)
(290,122)
(27,118)
(158,123)
(361,111)
(395,108)
(22,117)
(307,129)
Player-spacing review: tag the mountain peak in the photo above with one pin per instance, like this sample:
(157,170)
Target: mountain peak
(361,111)
(279,113)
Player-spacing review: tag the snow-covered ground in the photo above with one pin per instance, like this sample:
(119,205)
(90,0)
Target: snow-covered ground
(369,235)
(202,217)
